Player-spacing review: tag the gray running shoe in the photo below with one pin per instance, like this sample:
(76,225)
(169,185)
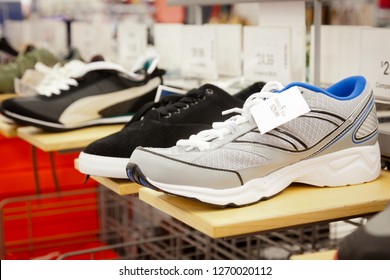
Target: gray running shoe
(233,164)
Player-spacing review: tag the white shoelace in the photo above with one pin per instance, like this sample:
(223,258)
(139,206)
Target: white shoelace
(202,140)
(58,78)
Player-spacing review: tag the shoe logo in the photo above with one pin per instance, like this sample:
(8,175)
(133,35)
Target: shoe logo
(278,109)
(88,108)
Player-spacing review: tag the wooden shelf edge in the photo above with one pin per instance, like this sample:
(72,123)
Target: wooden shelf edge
(324,255)
(298,205)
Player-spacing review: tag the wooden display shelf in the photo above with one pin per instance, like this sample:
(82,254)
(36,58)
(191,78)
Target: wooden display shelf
(4,96)
(62,141)
(298,205)
(120,186)
(325,255)
(6,129)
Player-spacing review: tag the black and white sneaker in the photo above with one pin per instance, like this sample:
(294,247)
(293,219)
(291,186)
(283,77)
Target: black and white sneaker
(88,94)
(160,125)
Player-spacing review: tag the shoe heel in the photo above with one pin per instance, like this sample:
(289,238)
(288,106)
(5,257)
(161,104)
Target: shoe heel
(347,167)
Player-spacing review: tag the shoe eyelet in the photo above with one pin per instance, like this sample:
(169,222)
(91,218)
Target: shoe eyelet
(177,112)
(168,116)
(209,91)
(186,107)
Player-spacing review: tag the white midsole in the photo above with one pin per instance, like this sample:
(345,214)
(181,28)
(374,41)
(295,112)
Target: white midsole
(113,120)
(110,167)
(346,167)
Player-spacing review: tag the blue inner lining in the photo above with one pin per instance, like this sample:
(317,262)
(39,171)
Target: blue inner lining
(345,89)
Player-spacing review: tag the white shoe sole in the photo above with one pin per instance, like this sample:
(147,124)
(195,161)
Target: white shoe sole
(347,167)
(110,167)
(57,126)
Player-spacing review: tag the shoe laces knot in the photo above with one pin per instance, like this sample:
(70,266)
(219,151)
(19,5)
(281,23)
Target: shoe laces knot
(203,140)
(59,78)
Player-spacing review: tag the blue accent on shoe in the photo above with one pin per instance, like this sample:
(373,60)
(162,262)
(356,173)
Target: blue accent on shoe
(360,120)
(346,89)
(130,175)
(355,126)
(144,183)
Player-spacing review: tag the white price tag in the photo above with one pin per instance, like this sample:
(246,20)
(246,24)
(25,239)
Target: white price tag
(50,34)
(92,39)
(375,61)
(340,53)
(267,53)
(199,52)
(279,109)
(167,40)
(229,38)
(18,33)
(290,14)
(132,42)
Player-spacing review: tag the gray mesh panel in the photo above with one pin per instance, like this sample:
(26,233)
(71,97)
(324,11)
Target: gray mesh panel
(321,101)
(230,159)
(308,130)
(267,139)
(369,125)
(326,116)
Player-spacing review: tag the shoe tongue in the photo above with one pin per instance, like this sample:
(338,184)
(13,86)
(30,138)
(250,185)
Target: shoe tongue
(152,115)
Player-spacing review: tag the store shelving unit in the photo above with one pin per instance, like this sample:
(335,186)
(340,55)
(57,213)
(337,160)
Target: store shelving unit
(317,22)
(154,225)
(298,205)
(31,225)
(139,231)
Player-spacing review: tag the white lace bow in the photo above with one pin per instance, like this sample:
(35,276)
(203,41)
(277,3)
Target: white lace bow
(58,78)
(202,140)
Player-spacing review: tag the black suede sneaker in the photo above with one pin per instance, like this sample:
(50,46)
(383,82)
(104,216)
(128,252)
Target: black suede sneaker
(87,94)
(370,241)
(160,125)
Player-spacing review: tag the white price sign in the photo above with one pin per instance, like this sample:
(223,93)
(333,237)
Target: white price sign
(132,42)
(267,54)
(229,41)
(199,52)
(340,53)
(50,34)
(18,33)
(375,61)
(168,44)
(92,39)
